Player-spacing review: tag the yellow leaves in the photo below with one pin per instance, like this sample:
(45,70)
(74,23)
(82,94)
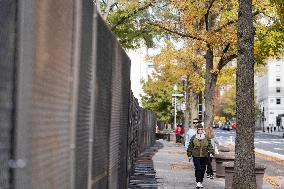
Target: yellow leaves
(271,52)
(260,69)
(174,63)
(227,76)
(214,71)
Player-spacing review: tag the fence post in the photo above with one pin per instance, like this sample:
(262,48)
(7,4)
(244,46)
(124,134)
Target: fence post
(76,74)
(24,61)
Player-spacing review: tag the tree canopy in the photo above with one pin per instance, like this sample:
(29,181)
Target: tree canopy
(126,18)
(210,26)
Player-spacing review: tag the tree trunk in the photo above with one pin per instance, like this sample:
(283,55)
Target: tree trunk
(194,105)
(210,85)
(187,111)
(244,177)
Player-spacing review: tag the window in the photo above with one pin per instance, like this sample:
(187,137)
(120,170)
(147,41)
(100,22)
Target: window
(278,89)
(278,100)
(277,78)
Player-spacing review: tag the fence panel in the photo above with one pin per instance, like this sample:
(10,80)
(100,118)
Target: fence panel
(51,95)
(102,104)
(44,94)
(7,70)
(116,112)
(124,120)
(84,107)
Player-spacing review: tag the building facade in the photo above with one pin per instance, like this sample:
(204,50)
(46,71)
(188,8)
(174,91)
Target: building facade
(269,88)
(141,69)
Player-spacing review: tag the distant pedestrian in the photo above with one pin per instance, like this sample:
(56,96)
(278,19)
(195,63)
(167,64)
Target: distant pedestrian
(210,135)
(198,148)
(274,129)
(271,129)
(267,129)
(178,133)
(191,132)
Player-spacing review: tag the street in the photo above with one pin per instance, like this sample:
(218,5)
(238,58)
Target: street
(270,152)
(265,142)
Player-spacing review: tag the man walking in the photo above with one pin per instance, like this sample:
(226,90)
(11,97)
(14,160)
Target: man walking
(191,132)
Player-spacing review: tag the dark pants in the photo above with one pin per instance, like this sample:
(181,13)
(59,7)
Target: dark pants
(200,167)
(209,169)
(178,137)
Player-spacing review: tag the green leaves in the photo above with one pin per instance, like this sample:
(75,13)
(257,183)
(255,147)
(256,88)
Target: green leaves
(158,99)
(127,20)
(269,42)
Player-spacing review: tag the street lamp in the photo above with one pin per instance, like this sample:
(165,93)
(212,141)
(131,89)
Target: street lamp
(175,104)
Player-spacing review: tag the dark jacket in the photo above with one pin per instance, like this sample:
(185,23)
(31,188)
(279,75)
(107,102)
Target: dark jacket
(199,148)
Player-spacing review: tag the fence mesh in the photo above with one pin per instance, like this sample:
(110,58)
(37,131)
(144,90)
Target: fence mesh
(84,107)
(7,50)
(51,95)
(62,108)
(102,105)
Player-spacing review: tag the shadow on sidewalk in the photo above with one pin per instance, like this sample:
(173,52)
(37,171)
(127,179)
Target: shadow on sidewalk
(144,175)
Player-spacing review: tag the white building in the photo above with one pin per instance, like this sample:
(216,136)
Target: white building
(270,94)
(140,70)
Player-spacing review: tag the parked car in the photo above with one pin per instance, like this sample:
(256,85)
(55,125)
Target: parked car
(216,125)
(227,126)
(222,125)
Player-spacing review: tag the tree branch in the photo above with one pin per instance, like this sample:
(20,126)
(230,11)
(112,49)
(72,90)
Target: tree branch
(222,61)
(99,6)
(123,19)
(233,22)
(225,60)
(207,15)
(171,30)
(226,25)
(109,7)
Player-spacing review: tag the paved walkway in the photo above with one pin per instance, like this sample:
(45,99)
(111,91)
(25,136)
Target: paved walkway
(173,171)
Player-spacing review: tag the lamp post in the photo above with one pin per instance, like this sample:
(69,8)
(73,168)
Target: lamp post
(175,104)
(175,95)
(185,80)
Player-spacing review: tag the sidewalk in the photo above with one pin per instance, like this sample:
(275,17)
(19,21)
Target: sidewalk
(173,171)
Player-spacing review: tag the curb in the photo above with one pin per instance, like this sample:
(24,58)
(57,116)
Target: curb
(270,154)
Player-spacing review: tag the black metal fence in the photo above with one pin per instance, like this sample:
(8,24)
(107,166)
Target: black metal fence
(68,118)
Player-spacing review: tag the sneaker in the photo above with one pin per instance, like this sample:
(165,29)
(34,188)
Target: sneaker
(208,175)
(211,177)
(199,185)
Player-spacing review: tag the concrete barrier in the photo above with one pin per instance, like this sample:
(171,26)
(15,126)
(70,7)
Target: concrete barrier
(220,159)
(229,174)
